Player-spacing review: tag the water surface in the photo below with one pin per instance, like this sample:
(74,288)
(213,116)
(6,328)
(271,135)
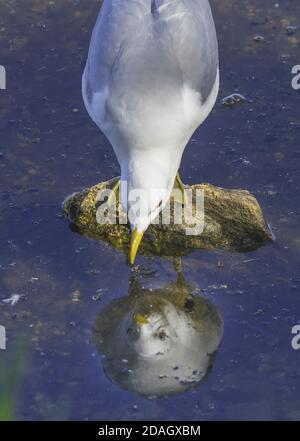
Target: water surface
(50,148)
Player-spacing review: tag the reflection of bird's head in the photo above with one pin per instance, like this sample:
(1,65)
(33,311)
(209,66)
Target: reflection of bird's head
(162,330)
(149,184)
(158,342)
(152,333)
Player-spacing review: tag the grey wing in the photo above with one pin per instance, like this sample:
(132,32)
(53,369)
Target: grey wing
(191,26)
(117,20)
(138,45)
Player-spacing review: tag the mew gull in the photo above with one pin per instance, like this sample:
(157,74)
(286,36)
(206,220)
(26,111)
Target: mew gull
(151,78)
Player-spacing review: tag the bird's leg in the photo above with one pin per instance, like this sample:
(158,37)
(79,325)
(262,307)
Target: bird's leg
(178,185)
(177,265)
(179,181)
(114,194)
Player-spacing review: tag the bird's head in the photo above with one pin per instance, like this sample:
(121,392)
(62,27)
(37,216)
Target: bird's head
(145,191)
(152,329)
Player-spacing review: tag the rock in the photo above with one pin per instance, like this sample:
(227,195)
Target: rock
(233,220)
(233,99)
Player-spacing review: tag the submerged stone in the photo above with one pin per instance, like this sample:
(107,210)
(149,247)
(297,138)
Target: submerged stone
(233,99)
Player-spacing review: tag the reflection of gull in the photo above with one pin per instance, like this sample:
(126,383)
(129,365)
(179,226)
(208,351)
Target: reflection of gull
(159,342)
(150,80)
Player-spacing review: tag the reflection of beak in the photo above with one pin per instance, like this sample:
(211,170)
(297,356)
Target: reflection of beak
(140,320)
(136,238)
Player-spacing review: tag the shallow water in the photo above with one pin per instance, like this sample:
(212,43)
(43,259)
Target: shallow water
(50,148)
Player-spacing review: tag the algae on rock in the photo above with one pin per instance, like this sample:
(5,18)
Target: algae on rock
(233,220)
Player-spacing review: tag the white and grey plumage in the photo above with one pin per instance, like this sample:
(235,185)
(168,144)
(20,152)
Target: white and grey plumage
(150,80)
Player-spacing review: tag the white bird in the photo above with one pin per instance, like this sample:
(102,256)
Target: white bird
(151,78)
(158,341)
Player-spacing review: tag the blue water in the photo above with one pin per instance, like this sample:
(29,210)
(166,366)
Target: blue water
(50,148)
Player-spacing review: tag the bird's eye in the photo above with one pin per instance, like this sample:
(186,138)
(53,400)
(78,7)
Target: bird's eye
(162,335)
(160,204)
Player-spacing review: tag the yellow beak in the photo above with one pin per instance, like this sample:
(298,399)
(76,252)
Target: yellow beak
(140,320)
(136,238)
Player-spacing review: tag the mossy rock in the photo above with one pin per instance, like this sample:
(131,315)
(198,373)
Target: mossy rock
(233,220)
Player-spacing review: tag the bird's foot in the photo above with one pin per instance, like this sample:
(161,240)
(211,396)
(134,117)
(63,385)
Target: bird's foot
(114,194)
(179,195)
